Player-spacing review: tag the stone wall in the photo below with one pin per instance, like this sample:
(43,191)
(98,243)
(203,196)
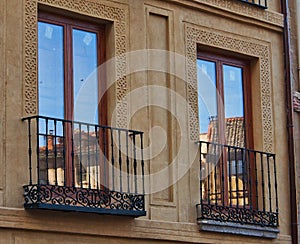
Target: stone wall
(168,115)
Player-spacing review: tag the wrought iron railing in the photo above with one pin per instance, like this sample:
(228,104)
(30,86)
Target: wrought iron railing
(259,3)
(237,185)
(84,167)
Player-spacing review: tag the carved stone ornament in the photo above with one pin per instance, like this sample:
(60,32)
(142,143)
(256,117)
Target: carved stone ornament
(239,7)
(105,11)
(200,35)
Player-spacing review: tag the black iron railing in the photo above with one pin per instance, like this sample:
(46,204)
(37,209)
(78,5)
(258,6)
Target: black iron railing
(237,185)
(84,167)
(259,3)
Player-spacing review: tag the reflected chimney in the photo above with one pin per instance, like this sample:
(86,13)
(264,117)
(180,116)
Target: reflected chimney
(50,140)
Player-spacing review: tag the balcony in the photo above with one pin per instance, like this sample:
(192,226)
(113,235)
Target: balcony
(238,187)
(259,3)
(83,167)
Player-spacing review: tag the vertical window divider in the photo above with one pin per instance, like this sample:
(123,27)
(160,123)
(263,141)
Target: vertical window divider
(38,149)
(97,165)
(55,151)
(127,162)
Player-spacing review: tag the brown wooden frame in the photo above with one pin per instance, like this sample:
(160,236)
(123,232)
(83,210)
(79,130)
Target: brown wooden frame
(219,61)
(69,24)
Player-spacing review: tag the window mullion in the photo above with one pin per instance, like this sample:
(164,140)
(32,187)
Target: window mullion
(68,102)
(220,97)
(68,73)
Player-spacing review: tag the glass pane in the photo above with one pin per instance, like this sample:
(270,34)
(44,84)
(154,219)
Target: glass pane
(51,70)
(207,100)
(234,105)
(85,76)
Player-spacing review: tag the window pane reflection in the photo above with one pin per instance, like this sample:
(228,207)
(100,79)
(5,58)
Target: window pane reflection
(207,95)
(234,105)
(51,70)
(85,76)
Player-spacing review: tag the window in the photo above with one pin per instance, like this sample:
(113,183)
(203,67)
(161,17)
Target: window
(259,3)
(224,100)
(225,118)
(235,179)
(69,53)
(76,161)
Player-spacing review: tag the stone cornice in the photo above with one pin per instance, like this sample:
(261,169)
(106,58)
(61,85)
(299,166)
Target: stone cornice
(237,10)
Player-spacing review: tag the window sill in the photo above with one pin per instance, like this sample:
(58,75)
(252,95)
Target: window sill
(238,229)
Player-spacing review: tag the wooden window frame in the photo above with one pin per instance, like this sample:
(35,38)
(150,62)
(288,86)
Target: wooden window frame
(68,24)
(244,64)
(220,60)
(99,30)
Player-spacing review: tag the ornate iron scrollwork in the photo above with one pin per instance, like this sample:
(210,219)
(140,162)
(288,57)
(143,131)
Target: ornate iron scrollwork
(238,215)
(36,195)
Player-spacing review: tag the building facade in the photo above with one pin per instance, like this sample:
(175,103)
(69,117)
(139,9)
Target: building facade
(145,121)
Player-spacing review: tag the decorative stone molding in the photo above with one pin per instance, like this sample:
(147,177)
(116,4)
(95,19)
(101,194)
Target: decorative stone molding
(200,35)
(105,11)
(241,8)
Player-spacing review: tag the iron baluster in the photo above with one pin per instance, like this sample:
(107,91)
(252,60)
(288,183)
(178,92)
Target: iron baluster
(80,155)
(88,170)
(64,152)
(236,177)
(30,151)
(263,182)
(249,179)
(275,183)
(256,181)
(229,176)
(269,183)
(216,165)
(55,152)
(208,162)
(104,156)
(38,149)
(112,159)
(243,152)
(47,153)
(120,159)
(72,154)
(142,163)
(127,161)
(201,173)
(96,156)
(134,163)
(222,168)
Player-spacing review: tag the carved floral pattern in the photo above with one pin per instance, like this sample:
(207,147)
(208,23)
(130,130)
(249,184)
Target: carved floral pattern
(200,35)
(239,7)
(107,11)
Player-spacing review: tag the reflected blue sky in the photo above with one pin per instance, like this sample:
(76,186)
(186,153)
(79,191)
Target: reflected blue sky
(233,91)
(51,70)
(51,73)
(84,64)
(207,92)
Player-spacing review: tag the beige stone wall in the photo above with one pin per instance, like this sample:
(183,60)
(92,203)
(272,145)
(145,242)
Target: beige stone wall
(21,227)
(175,26)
